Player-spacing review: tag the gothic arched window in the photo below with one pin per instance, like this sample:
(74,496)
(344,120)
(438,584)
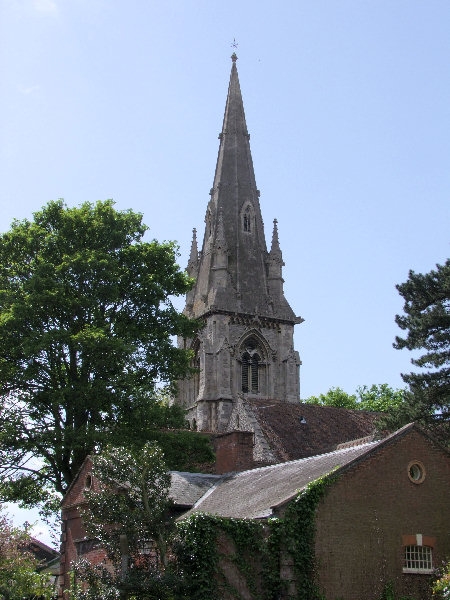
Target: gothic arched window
(208,224)
(250,363)
(247,219)
(195,364)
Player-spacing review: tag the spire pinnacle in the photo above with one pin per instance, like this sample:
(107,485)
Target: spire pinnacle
(234,57)
(193,257)
(275,250)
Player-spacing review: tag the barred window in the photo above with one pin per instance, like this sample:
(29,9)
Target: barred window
(418,559)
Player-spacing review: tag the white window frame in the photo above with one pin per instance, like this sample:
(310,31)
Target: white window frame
(418,559)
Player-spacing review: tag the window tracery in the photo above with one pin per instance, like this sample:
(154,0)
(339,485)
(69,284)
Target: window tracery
(195,364)
(250,367)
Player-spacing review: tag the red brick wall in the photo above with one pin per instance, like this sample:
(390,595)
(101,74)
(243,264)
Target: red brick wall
(234,451)
(72,530)
(362,521)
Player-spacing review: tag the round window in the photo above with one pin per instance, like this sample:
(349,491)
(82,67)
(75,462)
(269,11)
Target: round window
(416,471)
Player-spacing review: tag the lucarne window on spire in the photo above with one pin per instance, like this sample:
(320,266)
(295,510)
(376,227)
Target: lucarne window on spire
(247,220)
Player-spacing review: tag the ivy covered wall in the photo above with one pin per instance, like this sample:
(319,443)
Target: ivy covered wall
(230,559)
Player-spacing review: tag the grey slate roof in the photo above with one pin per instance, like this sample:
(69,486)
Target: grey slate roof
(187,488)
(253,494)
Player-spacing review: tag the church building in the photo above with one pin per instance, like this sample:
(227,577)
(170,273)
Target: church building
(269,446)
(245,350)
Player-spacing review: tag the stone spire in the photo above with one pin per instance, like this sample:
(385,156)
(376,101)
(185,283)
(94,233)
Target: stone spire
(234,222)
(245,348)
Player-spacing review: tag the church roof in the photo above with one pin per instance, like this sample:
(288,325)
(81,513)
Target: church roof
(257,493)
(253,494)
(187,488)
(232,270)
(42,553)
(296,430)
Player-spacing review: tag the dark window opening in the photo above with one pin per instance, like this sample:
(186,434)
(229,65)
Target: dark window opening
(247,220)
(250,368)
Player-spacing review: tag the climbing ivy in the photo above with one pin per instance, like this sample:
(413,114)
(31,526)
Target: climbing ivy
(198,555)
(199,558)
(295,534)
(248,539)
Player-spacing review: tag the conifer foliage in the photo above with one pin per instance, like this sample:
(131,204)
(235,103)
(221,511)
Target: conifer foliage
(427,325)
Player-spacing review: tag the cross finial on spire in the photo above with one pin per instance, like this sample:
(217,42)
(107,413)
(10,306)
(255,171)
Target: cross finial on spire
(234,45)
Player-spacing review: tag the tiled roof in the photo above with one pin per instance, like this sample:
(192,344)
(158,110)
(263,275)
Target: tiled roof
(300,430)
(41,551)
(252,494)
(187,488)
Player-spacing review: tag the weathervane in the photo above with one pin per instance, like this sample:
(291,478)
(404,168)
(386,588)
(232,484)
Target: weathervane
(234,44)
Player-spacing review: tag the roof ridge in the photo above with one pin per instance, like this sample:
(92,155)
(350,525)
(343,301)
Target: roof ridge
(305,458)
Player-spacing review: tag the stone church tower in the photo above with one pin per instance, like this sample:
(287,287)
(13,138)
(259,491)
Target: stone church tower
(246,348)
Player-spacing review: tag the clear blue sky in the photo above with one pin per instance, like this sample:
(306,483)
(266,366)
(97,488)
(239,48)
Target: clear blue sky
(347,103)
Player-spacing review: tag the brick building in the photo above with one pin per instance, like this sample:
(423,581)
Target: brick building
(186,489)
(384,520)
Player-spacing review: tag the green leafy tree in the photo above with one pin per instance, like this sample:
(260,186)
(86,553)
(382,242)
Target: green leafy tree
(441,587)
(334,397)
(379,398)
(128,512)
(18,575)
(86,329)
(427,325)
(392,404)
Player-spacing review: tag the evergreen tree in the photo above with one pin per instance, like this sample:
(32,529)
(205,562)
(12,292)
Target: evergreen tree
(427,325)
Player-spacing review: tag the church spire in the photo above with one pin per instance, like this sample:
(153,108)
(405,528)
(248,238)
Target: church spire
(245,346)
(234,222)
(234,240)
